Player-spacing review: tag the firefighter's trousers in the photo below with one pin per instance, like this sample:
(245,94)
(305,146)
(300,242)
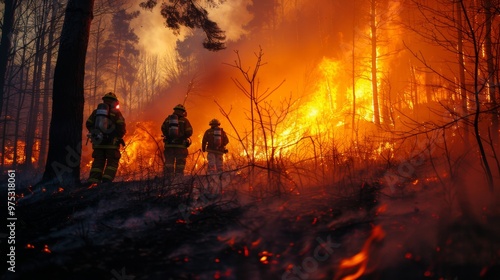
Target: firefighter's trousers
(105,165)
(215,162)
(175,161)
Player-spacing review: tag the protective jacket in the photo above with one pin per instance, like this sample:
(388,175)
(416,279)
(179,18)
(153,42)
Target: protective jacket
(112,137)
(208,142)
(106,131)
(185,131)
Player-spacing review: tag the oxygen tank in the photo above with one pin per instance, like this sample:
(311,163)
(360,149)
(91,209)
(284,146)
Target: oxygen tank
(217,137)
(173,126)
(101,119)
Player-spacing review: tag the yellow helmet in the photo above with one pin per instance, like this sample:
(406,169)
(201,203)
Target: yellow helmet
(180,107)
(110,95)
(214,122)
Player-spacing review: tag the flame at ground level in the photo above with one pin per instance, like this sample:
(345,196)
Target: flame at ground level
(360,260)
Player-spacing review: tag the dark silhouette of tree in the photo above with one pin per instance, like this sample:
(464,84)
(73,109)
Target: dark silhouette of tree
(188,13)
(5,43)
(65,134)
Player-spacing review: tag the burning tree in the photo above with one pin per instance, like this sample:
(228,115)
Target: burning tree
(470,43)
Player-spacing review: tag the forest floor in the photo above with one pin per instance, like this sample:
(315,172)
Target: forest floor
(133,230)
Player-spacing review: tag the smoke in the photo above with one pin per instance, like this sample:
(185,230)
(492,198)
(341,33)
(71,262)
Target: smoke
(154,37)
(232,17)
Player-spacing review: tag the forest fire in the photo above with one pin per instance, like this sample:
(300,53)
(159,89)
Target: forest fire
(142,153)
(363,138)
(15,154)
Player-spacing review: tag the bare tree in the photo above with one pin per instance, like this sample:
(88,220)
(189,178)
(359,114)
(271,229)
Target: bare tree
(50,49)
(466,45)
(265,121)
(490,11)
(42,28)
(374,44)
(5,43)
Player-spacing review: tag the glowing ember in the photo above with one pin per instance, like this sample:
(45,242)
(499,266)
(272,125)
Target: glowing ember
(256,242)
(46,249)
(264,257)
(381,209)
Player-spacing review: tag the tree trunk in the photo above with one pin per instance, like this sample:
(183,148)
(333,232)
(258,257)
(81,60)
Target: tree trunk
(117,65)
(96,63)
(376,112)
(488,45)
(47,81)
(461,75)
(353,77)
(5,42)
(65,134)
(23,85)
(32,125)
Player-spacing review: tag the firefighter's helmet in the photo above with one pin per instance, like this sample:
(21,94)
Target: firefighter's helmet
(180,107)
(214,122)
(110,95)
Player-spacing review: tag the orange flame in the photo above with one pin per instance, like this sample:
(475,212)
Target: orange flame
(21,156)
(360,260)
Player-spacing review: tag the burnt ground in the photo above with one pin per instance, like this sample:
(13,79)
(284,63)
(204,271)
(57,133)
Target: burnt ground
(137,230)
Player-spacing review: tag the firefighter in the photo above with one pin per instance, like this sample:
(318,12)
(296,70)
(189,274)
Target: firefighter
(214,142)
(106,127)
(176,131)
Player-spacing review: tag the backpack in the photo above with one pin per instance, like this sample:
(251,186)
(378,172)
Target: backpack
(173,127)
(101,124)
(218,137)
(102,120)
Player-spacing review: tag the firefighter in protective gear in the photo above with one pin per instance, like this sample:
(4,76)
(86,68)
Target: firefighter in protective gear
(214,142)
(106,127)
(176,131)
